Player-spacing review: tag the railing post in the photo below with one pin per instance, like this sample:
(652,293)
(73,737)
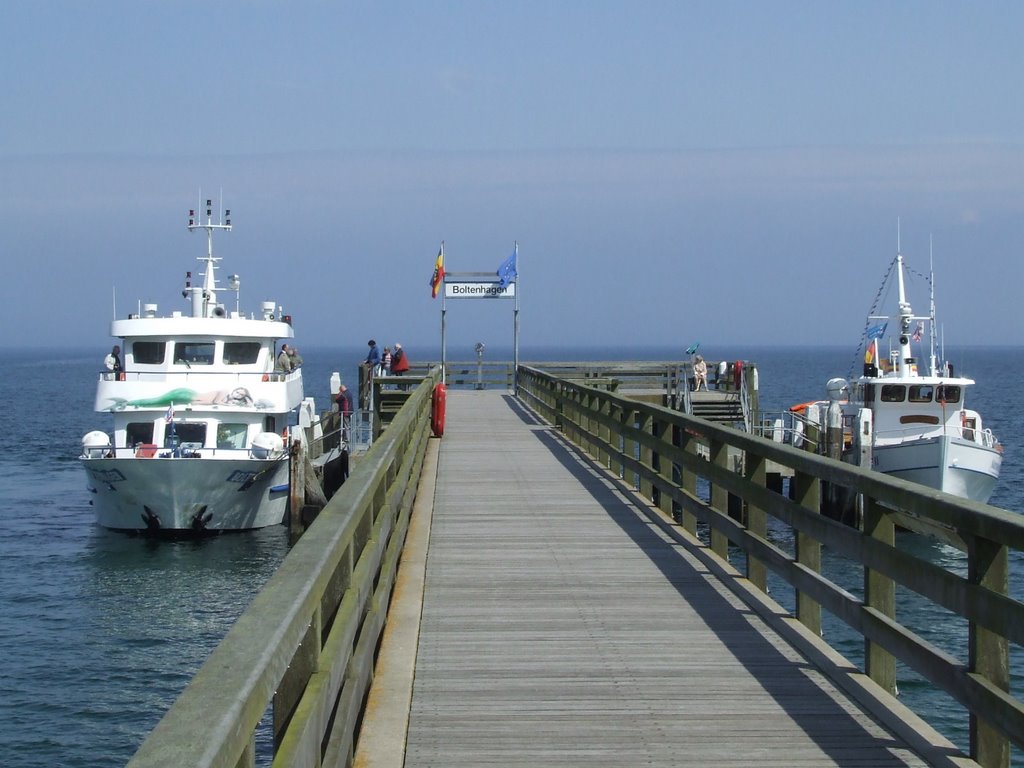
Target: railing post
(755,471)
(807,494)
(688,480)
(646,455)
(603,433)
(989,652)
(719,498)
(667,435)
(879,595)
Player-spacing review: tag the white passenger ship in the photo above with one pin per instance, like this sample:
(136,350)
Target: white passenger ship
(200,415)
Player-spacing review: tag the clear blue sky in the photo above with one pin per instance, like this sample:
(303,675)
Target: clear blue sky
(731,172)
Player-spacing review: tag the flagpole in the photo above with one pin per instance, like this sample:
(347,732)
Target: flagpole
(444,310)
(515,329)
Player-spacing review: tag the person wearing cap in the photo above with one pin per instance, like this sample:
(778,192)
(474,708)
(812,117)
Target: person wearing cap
(399,360)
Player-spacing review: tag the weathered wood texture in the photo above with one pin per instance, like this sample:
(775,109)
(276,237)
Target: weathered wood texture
(562,627)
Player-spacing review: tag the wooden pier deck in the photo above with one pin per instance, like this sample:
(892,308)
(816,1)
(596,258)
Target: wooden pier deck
(562,622)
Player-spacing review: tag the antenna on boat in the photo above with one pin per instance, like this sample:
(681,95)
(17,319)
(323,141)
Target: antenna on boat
(204,297)
(931,309)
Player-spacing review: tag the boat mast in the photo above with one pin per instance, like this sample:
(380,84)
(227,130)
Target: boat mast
(933,360)
(204,297)
(906,315)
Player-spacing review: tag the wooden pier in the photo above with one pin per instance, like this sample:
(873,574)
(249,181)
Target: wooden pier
(566,622)
(584,580)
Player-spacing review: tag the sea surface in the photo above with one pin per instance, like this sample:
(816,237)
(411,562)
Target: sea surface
(101,631)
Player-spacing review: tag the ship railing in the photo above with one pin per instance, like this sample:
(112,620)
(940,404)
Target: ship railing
(184,450)
(791,428)
(725,491)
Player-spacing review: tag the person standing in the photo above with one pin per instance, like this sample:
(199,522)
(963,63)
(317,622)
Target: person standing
(345,407)
(373,356)
(284,360)
(113,362)
(294,357)
(399,360)
(385,362)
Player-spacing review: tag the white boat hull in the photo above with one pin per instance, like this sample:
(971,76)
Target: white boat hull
(168,495)
(948,464)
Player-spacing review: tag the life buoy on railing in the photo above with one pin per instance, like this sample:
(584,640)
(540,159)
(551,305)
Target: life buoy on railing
(437,410)
(802,406)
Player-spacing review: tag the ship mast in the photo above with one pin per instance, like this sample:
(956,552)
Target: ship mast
(204,297)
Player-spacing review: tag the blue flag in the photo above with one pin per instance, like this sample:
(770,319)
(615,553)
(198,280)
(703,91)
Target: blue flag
(507,271)
(877,331)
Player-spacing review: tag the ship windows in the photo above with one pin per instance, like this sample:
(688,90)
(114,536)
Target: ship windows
(893,393)
(948,394)
(193,353)
(231,435)
(185,432)
(241,352)
(148,352)
(139,433)
(921,393)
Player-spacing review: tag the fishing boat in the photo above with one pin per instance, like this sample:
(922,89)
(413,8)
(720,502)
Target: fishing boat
(909,423)
(201,410)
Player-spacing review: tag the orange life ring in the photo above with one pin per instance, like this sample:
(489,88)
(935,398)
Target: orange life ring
(802,406)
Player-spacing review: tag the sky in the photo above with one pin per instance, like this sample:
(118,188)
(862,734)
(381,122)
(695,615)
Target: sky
(729,172)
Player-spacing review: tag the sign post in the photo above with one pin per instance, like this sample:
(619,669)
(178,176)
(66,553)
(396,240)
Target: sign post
(502,284)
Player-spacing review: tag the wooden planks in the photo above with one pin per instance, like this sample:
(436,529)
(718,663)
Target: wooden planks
(560,626)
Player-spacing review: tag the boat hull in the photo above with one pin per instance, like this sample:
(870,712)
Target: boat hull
(179,495)
(948,464)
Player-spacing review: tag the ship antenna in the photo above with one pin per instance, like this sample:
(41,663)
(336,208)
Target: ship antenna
(931,308)
(204,297)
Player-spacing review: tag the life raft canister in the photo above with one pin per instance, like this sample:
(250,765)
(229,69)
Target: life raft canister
(437,408)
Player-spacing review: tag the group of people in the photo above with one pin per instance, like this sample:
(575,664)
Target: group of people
(288,360)
(390,362)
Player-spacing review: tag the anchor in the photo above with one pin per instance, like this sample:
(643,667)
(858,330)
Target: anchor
(200,519)
(151,519)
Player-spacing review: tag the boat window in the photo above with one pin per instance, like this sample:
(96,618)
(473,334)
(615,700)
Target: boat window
(919,418)
(893,393)
(921,393)
(194,352)
(231,435)
(139,433)
(148,352)
(948,393)
(185,432)
(241,352)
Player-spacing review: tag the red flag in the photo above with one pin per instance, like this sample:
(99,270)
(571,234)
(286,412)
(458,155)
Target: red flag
(438,278)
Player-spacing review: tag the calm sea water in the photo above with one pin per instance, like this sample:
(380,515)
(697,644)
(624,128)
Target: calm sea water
(102,631)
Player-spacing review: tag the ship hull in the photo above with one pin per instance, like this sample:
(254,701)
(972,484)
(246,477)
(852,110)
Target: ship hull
(180,495)
(948,464)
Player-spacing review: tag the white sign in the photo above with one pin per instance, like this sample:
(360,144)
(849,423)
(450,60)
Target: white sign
(465,290)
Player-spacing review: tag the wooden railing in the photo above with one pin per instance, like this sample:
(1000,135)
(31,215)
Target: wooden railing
(688,468)
(306,645)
